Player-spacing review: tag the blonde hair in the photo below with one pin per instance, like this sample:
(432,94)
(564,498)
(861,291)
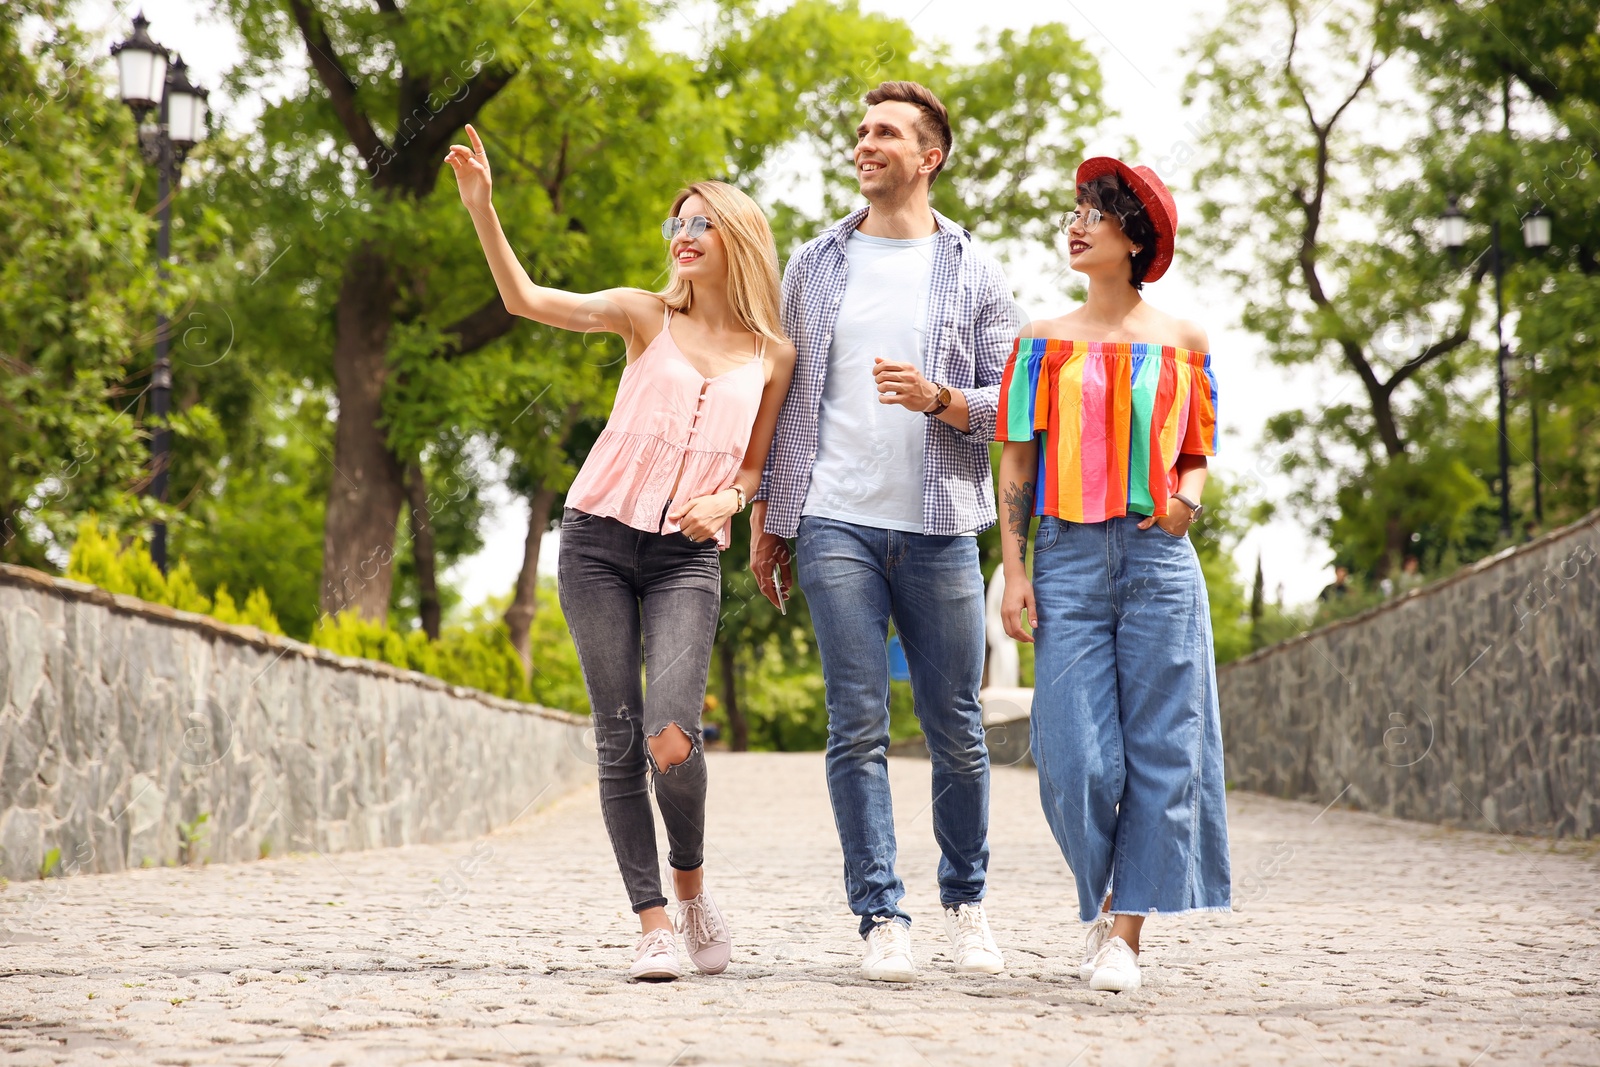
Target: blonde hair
(752,259)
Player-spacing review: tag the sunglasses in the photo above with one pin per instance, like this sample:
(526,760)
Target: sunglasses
(1090,219)
(690,227)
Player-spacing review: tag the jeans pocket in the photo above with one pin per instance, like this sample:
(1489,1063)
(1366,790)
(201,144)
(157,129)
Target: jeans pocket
(571,518)
(1166,533)
(1045,538)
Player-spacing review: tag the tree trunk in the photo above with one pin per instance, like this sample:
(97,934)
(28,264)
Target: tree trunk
(737,726)
(525,602)
(422,550)
(367,487)
(1396,539)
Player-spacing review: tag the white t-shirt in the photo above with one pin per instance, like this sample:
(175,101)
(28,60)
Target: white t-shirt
(870,456)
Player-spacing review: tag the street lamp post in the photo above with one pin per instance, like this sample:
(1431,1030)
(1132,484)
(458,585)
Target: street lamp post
(1535,235)
(151,80)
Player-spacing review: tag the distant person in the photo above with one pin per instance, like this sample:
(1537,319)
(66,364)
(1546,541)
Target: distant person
(1530,530)
(708,365)
(1410,576)
(881,470)
(1339,588)
(1108,413)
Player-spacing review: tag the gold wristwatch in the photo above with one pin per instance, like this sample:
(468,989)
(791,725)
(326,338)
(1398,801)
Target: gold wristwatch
(943,401)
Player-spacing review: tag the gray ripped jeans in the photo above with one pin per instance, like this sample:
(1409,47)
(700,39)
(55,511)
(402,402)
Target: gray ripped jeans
(629,595)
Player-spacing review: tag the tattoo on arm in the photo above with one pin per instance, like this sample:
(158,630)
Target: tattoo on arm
(1019,508)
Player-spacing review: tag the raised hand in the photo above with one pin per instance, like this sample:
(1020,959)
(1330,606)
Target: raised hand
(472,172)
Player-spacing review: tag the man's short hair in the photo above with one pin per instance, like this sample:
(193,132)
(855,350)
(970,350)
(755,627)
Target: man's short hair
(933,124)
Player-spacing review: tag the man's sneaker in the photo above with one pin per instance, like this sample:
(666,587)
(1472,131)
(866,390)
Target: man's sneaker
(705,933)
(889,952)
(975,950)
(1116,968)
(656,958)
(1099,931)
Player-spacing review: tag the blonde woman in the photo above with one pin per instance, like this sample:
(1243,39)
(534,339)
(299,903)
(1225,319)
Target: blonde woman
(707,369)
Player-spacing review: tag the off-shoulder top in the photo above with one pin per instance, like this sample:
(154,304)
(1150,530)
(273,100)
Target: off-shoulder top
(1112,419)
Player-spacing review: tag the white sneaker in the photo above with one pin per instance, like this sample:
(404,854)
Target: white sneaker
(889,952)
(975,950)
(705,933)
(1116,968)
(1099,930)
(656,958)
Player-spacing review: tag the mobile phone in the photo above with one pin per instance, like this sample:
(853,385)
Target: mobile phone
(777,585)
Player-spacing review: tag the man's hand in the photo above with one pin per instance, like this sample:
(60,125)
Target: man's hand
(903,384)
(1176,521)
(768,551)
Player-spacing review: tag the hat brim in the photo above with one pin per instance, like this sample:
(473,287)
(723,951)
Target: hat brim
(1157,204)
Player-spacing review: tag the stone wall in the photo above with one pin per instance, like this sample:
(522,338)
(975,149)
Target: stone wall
(123,722)
(1474,702)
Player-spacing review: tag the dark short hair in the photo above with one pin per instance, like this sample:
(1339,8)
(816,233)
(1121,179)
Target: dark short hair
(933,124)
(1114,197)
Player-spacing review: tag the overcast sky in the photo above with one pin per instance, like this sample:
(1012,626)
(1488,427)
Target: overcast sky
(1139,47)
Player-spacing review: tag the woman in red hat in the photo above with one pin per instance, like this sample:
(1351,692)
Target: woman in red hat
(1108,414)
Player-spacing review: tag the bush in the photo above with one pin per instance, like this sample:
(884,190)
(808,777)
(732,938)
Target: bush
(97,559)
(476,653)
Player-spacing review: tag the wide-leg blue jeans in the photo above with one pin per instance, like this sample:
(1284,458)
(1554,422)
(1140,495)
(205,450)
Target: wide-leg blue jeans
(1126,733)
(855,579)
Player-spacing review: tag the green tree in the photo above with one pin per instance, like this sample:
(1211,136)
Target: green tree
(1311,210)
(77,302)
(1532,62)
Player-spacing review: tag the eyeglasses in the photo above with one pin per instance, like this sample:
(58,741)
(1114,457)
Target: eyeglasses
(690,227)
(1089,219)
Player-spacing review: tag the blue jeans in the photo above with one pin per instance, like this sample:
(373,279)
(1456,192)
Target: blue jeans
(1126,730)
(855,579)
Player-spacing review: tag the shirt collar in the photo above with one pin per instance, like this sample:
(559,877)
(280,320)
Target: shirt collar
(841,230)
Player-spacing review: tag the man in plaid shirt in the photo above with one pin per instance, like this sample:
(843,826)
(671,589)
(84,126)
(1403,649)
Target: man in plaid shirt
(880,470)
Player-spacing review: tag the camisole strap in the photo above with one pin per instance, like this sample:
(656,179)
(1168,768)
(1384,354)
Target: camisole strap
(761,345)
(666,314)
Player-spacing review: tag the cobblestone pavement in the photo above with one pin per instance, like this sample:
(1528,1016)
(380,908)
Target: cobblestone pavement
(1355,940)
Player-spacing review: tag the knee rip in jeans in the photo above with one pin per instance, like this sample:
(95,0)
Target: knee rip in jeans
(669,747)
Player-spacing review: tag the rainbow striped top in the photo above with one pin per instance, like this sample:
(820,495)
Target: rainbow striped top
(1115,417)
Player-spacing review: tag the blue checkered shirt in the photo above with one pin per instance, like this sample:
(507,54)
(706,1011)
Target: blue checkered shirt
(972,323)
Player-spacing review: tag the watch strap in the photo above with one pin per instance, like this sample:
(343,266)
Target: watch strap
(943,397)
(1194,508)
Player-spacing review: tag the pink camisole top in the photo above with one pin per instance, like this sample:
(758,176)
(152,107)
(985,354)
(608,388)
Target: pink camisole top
(670,425)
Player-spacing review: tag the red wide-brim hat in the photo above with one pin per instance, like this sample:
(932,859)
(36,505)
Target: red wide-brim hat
(1152,193)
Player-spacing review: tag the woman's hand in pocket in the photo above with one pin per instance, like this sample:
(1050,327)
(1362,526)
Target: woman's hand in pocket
(1175,522)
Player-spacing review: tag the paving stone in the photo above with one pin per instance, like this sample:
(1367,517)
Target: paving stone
(1355,940)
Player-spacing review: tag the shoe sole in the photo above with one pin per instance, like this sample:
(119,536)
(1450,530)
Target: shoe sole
(656,976)
(1115,988)
(899,977)
(970,969)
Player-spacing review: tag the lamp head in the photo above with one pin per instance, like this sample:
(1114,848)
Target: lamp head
(1536,228)
(1453,227)
(186,107)
(141,68)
